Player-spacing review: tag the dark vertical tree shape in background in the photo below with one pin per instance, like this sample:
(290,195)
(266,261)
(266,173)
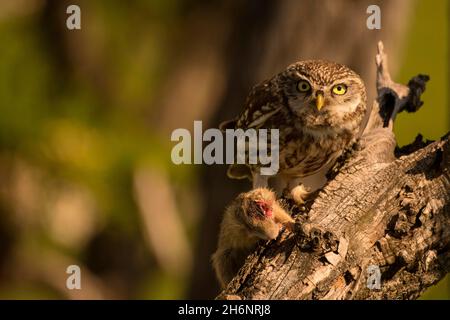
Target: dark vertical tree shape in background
(217,189)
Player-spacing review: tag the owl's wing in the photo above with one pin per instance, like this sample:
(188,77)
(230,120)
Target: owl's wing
(228,124)
(261,104)
(235,171)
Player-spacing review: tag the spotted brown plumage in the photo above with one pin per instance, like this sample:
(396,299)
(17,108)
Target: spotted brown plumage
(316,122)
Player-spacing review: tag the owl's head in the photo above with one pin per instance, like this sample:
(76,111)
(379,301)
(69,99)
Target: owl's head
(323,94)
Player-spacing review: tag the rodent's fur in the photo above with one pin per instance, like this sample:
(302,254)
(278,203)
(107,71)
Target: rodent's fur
(243,225)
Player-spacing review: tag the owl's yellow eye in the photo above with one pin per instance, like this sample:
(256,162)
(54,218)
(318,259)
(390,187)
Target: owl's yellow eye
(303,86)
(339,89)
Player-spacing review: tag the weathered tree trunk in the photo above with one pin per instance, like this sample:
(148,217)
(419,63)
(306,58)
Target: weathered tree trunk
(385,209)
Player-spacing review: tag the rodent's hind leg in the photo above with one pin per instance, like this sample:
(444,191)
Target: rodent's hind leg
(223,266)
(227,262)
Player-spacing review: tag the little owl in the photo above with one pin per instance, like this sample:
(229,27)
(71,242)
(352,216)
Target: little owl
(318,107)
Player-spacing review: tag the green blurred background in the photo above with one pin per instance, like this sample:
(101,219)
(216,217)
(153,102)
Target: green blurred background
(86,117)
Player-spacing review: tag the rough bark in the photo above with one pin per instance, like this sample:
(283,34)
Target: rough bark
(382,206)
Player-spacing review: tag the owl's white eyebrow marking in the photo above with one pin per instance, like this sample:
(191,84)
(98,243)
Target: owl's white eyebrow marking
(260,120)
(345,81)
(301,76)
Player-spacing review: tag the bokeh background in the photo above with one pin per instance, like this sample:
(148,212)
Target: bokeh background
(86,117)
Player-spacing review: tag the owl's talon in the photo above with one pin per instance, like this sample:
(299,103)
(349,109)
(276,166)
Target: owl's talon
(299,194)
(319,238)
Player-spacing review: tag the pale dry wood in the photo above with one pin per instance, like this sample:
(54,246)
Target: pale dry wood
(382,206)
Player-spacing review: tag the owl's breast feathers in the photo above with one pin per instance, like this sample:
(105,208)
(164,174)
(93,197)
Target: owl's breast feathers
(303,154)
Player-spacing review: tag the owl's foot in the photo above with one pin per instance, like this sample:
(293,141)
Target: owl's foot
(318,238)
(299,194)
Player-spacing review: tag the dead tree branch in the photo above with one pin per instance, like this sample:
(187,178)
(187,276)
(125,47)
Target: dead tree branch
(384,207)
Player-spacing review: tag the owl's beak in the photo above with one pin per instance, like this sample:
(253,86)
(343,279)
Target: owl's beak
(319,100)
